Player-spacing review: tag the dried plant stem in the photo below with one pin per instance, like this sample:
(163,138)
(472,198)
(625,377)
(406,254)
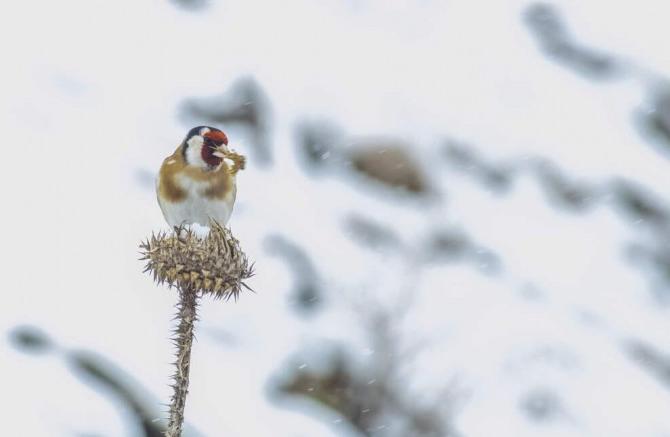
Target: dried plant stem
(214,265)
(183,340)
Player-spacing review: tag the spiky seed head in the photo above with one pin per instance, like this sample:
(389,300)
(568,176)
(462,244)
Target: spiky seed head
(212,265)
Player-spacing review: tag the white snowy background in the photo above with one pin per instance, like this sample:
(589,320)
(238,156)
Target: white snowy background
(555,321)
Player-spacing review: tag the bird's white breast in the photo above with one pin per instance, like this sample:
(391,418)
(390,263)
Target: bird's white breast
(196,207)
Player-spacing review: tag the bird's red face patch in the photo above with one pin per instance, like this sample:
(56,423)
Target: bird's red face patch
(212,140)
(217,136)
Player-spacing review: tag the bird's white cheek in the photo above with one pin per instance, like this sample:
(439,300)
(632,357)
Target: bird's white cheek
(194,152)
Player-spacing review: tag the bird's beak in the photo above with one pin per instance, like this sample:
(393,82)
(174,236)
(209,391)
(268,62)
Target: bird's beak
(220,152)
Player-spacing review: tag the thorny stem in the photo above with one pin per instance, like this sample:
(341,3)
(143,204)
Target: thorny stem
(184,340)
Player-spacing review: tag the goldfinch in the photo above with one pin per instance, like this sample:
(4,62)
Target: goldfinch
(197,182)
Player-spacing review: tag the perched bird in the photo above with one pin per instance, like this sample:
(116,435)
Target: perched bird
(197,182)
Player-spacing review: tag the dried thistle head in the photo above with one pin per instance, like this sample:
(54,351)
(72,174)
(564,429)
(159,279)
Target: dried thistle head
(212,265)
